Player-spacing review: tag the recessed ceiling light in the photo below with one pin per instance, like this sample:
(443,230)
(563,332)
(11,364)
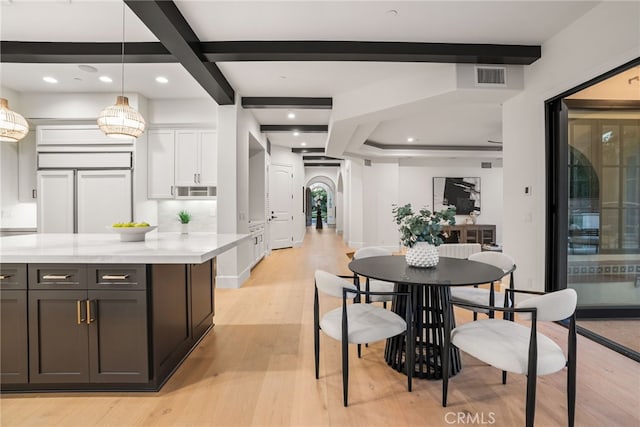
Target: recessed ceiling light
(105,79)
(303,143)
(88,68)
(291,115)
(161,79)
(296,133)
(392,12)
(410,139)
(49,79)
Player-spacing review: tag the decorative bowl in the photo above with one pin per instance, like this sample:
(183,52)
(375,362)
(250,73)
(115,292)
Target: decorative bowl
(132,234)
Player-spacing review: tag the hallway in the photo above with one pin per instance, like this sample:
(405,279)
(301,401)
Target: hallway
(256,368)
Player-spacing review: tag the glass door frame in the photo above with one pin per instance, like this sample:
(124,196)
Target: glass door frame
(557,198)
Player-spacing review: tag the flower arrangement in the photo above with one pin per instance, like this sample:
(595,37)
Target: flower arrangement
(424,226)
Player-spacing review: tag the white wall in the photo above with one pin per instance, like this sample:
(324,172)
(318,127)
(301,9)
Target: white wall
(605,37)
(355,237)
(188,112)
(381,185)
(416,187)
(411,181)
(235,127)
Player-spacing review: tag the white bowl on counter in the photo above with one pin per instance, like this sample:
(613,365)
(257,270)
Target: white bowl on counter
(132,234)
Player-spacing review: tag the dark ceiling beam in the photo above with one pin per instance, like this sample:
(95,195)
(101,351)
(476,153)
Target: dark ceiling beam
(166,22)
(287,102)
(149,52)
(308,150)
(323,165)
(311,158)
(313,50)
(83,53)
(294,128)
(433,147)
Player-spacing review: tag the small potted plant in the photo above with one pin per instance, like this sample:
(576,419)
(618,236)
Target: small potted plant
(422,233)
(185,219)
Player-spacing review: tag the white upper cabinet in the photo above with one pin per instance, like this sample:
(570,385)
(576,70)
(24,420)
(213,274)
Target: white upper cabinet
(187,151)
(160,164)
(208,158)
(196,158)
(27,169)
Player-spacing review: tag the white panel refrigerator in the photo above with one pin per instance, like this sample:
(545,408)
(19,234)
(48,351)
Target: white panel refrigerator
(83,201)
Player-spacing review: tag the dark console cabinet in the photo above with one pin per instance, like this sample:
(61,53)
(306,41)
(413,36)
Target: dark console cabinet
(471,233)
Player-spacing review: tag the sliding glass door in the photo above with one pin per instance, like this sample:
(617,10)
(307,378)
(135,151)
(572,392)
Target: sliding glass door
(593,205)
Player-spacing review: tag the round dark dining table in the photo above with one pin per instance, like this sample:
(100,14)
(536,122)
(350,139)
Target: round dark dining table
(429,290)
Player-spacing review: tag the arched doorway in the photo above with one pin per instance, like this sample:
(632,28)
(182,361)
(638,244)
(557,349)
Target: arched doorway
(321,189)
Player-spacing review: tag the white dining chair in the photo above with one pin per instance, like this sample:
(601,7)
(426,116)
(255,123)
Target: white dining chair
(513,347)
(356,323)
(482,296)
(374,285)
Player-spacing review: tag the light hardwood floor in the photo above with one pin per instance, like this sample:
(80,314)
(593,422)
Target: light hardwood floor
(256,368)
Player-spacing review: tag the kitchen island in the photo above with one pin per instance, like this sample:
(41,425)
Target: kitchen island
(88,312)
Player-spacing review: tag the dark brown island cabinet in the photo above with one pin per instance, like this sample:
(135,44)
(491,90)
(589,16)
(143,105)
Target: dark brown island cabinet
(100,327)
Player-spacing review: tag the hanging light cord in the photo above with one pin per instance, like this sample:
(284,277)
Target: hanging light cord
(122,79)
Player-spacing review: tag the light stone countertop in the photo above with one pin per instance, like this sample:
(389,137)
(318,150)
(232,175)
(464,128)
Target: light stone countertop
(158,248)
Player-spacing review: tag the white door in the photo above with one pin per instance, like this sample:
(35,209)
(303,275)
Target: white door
(104,198)
(281,204)
(209,158)
(160,164)
(187,151)
(55,201)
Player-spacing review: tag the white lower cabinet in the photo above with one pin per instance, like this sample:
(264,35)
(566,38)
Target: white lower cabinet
(257,240)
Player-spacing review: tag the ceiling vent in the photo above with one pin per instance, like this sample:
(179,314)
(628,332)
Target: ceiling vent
(367,162)
(485,165)
(491,76)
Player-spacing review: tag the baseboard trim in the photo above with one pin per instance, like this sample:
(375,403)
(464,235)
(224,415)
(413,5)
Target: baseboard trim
(355,245)
(233,282)
(297,244)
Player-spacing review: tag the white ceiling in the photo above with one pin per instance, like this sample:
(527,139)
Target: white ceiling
(451,120)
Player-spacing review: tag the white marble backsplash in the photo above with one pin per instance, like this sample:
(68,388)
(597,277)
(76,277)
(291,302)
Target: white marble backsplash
(204,215)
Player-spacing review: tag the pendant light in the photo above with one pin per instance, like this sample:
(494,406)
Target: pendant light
(13,127)
(120,120)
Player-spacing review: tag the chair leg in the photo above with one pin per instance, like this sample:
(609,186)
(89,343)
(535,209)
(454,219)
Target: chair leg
(345,371)
(531,400)
(571,372)
(316,342)
(504,377)
(360,350)
(316,331)
(475,316)
(384,305)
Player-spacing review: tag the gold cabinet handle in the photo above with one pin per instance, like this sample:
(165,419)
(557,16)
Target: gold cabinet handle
(115,277)
(89,318)
(79,317)
(56,276)
(5,276)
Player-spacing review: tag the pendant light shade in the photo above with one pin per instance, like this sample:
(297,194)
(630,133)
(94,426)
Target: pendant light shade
(120,120)
(13,127)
